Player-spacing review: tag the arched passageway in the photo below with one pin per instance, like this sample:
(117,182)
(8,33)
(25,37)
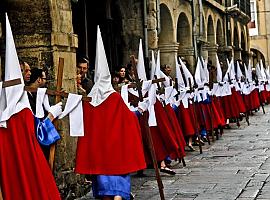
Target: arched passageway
(257,55)
(236,44)
(184,38)
(211,40)
(106,14)
(167,40)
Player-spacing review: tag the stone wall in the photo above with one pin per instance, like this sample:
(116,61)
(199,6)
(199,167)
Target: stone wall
(43,32)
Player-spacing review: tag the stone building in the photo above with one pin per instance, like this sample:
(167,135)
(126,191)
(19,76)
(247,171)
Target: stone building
(259,30)
(46,30)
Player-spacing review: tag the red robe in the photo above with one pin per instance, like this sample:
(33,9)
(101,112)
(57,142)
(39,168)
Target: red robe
(24,171)
(187,120)
(177,130)
(164,138)
(112,143)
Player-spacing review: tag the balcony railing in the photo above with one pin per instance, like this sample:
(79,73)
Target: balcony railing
(243,5)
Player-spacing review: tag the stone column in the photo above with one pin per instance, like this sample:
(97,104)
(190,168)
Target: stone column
(237,53)
(212,51)
(63,44)
(188,54)
(45,35)
(152,25)
(168,51)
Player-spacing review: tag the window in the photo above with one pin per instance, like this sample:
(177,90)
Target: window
(253,24)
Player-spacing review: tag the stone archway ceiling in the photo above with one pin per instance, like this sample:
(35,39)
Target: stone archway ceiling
(219,34)
(166,25)
(235,38)
(184,37)
(210,31)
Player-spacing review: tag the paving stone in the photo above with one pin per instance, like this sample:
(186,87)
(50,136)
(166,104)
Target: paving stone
(249,193)
(235,167)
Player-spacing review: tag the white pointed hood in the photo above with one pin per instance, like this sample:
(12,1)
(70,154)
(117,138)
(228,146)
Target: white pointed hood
(239,72)
(262,71)
(153,66)
(178,74)
(159,73)
(249,71)
(267,73)
(258,72)
(219,70)
(15,97)
(200,76)
(140,64)
(205,69)
(187,74)
(232,72)
(102,87)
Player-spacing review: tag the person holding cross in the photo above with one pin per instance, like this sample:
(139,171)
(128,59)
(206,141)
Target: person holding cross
(38,80)
(24,172)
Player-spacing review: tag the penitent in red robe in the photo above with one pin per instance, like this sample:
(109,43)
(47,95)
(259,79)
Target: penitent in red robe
(112,143)
(24,171)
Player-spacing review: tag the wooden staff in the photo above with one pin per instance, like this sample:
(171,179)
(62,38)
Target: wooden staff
(148,134)
(1,196)
(59,81)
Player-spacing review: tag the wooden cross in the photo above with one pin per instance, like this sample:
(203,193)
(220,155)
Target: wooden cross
(148,134)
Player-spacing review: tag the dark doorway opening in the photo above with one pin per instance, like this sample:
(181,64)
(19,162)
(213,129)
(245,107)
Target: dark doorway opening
(107,15)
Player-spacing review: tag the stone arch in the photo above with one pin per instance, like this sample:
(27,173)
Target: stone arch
(211,39)
(204,28)
(236,43)
(244,47)
(257,55)
(219,34)
(183,31)
(108,15)
(167,40)
(166,25)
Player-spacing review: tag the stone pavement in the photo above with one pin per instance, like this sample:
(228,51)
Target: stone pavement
(237,166)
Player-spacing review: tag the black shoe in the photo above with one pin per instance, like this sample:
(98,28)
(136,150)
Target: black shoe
(131,196)
(191,148)
(204,139)
(167,170)
(227,126)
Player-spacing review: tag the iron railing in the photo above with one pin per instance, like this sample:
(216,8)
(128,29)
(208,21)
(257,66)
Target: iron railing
(243,5)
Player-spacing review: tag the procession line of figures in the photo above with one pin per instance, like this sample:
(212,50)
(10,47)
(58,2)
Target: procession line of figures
(112,141)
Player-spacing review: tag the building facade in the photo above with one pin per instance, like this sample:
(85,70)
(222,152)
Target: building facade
(46,30)
(259,30)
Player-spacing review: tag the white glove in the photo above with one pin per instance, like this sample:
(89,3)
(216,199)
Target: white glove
(143,106)
(56,110)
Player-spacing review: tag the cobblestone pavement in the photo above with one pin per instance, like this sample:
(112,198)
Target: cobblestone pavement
(237,166)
